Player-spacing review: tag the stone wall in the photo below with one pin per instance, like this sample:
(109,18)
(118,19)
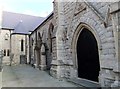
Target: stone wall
(5,44)
(31,46)
(115,14)
(69,16)
(16,47)
(68,20)
(12,44)
(42,36)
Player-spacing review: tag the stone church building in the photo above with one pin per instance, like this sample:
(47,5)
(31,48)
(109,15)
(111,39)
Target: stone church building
(78,40)
(14,35)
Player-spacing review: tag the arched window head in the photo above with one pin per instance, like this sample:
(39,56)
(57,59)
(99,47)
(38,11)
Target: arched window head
(6,36)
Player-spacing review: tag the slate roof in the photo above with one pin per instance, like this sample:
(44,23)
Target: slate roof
(21,23)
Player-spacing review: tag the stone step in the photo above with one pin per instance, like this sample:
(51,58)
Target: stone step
(85,83)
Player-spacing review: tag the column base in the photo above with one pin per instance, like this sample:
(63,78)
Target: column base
(43,67)
(116,84)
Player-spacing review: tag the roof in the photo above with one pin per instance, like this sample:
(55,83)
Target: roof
(45,19)
(21,23)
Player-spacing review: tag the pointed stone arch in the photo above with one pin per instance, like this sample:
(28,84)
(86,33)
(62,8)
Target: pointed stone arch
(76,36)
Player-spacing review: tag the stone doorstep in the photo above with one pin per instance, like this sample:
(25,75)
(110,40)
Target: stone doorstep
(85,83)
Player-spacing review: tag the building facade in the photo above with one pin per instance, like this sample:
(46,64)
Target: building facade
(5,43)
(20,48)
(14,36)
(77,40)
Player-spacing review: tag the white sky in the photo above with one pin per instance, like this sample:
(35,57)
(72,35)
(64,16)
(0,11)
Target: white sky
(32,7)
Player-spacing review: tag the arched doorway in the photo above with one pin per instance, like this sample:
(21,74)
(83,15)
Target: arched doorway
(87,56)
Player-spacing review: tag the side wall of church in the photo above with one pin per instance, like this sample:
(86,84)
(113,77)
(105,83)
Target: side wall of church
(42,35)
(46,39)
(68,20)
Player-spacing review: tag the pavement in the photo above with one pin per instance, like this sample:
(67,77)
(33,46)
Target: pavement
(27,76)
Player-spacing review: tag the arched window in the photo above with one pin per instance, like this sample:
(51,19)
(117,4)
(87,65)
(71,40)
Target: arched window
(32,41)
(4,52)
(39,39)
(50,33)
(39,36)
(22,45)
(8,52)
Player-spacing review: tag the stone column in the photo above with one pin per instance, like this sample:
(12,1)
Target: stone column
(37,58)
(115,12)
(43,58)
(59,40)
(37,55)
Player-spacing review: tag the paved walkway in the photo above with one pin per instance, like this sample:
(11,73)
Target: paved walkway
(27,76)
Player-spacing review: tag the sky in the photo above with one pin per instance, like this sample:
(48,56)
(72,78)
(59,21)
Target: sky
(40,8)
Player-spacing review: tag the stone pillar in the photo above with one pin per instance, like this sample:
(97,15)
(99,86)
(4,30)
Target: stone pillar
(37,58)
(60,46)
(115,12)
(43,58)
(37,55)
(61,66)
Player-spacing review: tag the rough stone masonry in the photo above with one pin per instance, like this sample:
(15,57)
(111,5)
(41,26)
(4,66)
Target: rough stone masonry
(77,40)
